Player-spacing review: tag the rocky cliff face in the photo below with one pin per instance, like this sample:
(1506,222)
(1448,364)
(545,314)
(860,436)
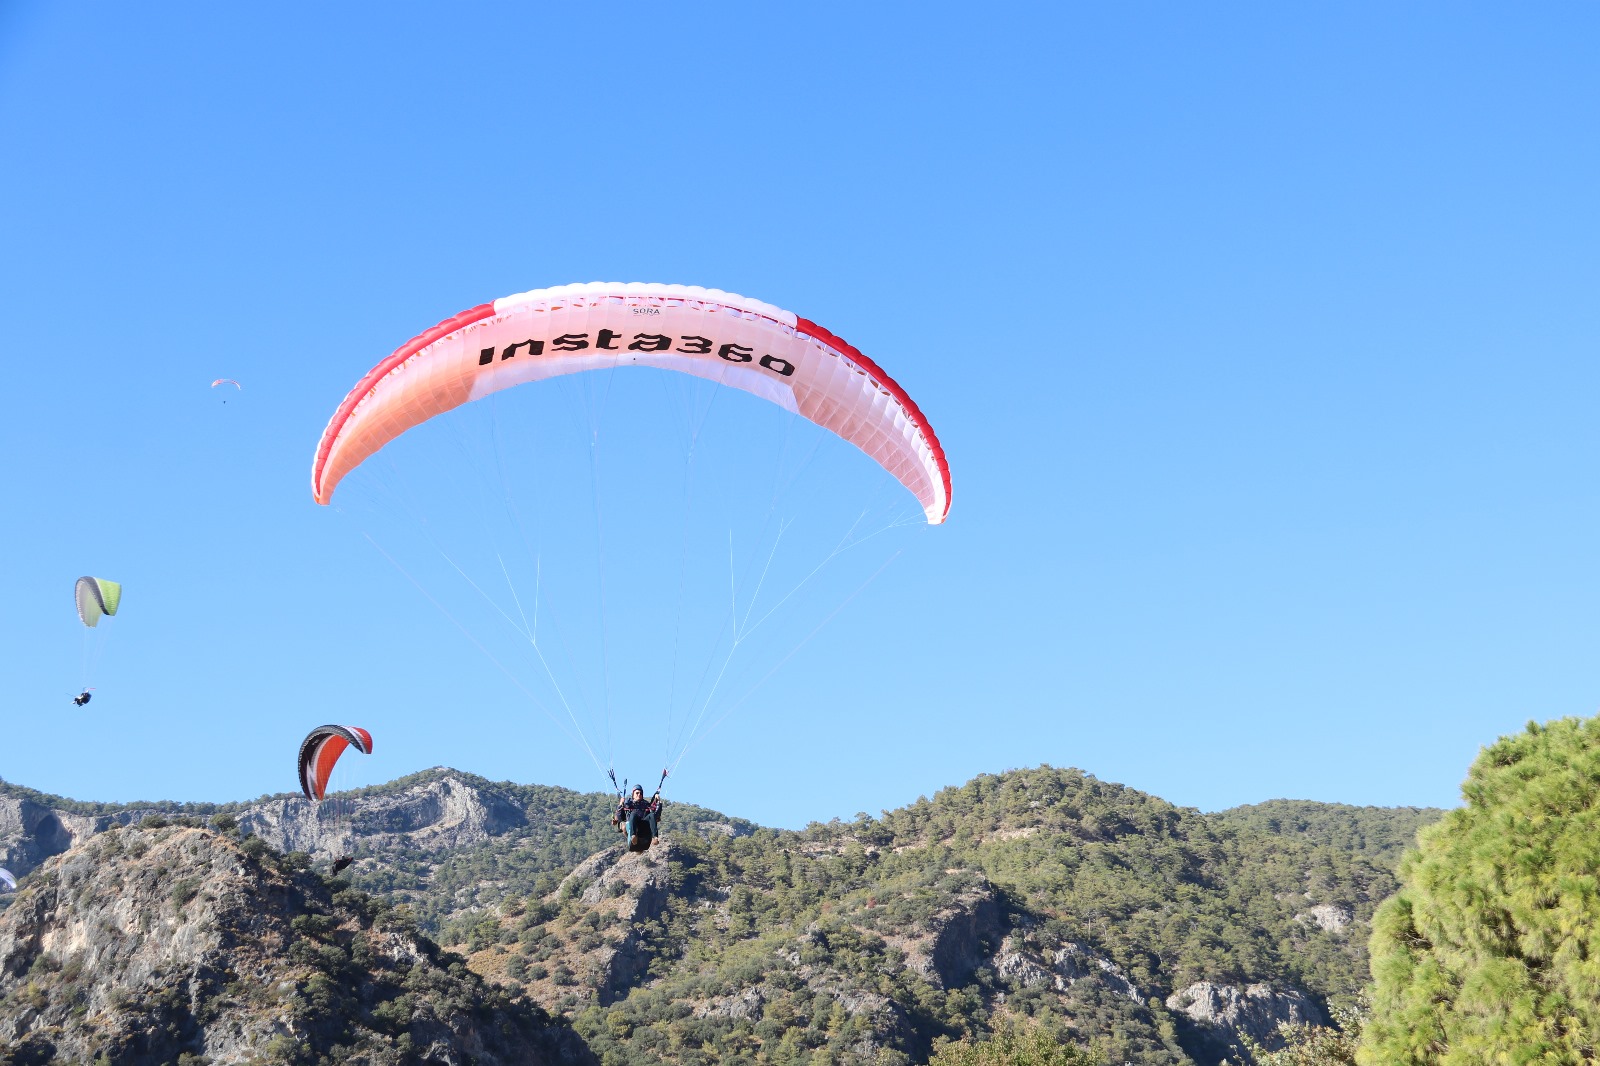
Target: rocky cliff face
(598,958)
(1224,1013)
(163,943)
(430,840)
(441,809)
(443,812)
(956,940)
(31,832)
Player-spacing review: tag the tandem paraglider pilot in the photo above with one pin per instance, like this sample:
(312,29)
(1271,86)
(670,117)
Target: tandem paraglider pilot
(640,818)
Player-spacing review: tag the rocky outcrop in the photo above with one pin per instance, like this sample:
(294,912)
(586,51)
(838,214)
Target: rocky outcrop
(631,889)
(740,1006)
(1032,969)
(31,832)
(1223,1013)
(958,938)
(1019,966)
(146,944)
(601,955)
(444,812)
(710,829)
(1329,917)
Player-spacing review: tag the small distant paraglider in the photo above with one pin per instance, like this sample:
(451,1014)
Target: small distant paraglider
(227,381)
(96,598)
(6,879)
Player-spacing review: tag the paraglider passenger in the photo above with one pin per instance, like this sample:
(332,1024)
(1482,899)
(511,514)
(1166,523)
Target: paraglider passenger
(640,818)
(81,698)
(341,864)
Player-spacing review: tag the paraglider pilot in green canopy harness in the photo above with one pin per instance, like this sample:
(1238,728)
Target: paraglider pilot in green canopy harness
(638,817)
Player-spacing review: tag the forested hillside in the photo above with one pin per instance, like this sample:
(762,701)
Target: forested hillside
(1153,933)
(1380,833)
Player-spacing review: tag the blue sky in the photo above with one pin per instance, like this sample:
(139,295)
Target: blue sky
(1261,340)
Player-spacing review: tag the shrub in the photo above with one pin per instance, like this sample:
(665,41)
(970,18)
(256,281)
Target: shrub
(184,891)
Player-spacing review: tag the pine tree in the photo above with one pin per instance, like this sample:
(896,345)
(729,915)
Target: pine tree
(1490,952)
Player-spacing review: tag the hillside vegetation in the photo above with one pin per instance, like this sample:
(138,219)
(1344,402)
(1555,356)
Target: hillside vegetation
(1382,834)
(1155,933)
(1098,914)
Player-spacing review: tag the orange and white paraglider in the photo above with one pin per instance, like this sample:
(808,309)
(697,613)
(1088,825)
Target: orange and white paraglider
(687,614)
(733,340)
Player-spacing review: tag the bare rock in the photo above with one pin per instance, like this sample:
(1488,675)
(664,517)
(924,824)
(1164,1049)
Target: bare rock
(1073,963)
(746,1004)
(143,944)
(629,890)
(31,832)
(1020,968)
(958,937)
(445,811)
(711,829)
(1329,917)
(1226,1012)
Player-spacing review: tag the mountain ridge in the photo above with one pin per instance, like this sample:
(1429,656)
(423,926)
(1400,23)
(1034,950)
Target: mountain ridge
(167,942)
(1156,933)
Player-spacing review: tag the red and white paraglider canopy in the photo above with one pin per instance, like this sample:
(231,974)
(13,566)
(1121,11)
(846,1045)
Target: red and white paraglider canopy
(729,339)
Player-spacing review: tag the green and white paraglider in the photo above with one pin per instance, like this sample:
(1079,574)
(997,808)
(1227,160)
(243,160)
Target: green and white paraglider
(96,599)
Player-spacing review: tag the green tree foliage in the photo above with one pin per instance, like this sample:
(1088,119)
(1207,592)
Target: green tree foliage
(1172,895)
(62,803)
(1032,1045)
(1379,833)
(1490,952)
